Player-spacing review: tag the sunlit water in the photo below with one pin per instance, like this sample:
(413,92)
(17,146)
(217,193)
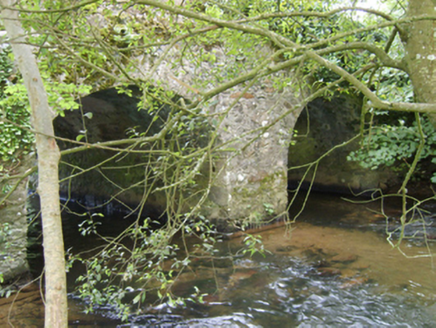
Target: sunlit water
(333,268)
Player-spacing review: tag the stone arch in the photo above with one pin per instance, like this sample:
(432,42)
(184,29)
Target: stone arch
(324,124)
(250,175)
(105,115)
(256,117)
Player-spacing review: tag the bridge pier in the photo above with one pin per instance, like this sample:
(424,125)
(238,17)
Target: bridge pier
(250,182)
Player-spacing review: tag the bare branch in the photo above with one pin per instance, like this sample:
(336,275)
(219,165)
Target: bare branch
(385,59)
(375,101)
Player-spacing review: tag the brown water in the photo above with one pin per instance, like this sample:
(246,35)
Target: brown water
(333,268)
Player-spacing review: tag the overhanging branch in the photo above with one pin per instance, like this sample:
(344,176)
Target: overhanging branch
(375,101)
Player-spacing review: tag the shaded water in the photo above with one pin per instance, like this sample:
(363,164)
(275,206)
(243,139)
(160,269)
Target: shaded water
(334,268)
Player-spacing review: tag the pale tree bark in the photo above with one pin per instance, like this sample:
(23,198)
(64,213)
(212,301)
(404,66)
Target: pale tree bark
(419,40)
(56,314)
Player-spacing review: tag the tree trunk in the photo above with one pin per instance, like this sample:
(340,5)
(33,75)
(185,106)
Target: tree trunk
(419,41)
(56,314)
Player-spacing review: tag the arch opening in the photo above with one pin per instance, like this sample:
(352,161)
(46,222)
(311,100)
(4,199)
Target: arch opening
(117,176)
(321,127)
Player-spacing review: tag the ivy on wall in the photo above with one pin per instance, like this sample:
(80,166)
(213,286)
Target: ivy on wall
(15,136)
(395,145)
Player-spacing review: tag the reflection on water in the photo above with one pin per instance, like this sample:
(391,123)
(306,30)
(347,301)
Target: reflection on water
(334,269)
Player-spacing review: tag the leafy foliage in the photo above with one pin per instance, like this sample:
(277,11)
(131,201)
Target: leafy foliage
(110,279)
(395,145)
(393,139)
(15,136)
(392,85)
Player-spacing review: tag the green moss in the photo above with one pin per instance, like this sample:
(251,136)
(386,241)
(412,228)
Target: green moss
(262,192)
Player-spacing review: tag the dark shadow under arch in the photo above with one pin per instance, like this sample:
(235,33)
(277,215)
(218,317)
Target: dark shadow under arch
(105,116)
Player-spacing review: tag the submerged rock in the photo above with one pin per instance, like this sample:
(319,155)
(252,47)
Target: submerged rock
(344,258)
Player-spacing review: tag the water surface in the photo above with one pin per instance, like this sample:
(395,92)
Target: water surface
(332,268)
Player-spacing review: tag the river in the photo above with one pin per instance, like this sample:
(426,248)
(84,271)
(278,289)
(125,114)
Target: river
(332,268)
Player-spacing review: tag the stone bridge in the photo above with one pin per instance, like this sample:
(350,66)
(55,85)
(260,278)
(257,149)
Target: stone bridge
(258,122)
(252,174)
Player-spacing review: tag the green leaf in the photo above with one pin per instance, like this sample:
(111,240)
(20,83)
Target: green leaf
(137,299)
(88,115)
